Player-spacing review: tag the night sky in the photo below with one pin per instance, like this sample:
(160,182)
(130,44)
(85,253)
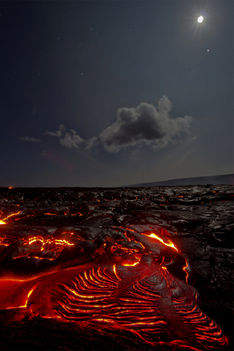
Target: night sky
(115,92)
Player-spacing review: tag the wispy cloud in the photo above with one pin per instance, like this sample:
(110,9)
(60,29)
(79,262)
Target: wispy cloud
(57,133)
(67,138)
(29,139)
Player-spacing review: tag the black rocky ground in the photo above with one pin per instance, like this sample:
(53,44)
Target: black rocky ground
(200,219)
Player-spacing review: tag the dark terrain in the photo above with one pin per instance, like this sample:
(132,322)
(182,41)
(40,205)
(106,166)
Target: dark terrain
(198,218)
(227,179)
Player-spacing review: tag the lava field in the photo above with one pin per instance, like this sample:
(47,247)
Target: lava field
(116,269)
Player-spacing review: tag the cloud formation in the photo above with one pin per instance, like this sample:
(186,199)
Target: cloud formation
(145,124)
(67,138)
(29,139)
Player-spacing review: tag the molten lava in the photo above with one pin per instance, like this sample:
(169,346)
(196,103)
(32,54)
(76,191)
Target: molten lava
(156,237)
(123,284)
(5,219)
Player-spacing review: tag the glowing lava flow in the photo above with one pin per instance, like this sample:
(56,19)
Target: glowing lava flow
(186,270)
(40,248)
(44,242)
(26,300)
(3,241)
(128,289)
(5,219)
(139,297)
(155,236)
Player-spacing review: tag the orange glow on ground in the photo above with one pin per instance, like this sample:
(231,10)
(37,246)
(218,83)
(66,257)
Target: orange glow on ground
(126,292)
(185,269)
(26,300)
(5,219)
(3,241)
(132,262)
(155,236)
(59,242)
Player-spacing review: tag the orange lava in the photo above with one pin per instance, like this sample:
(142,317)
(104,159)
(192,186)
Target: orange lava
(5,219)
(131,290)
(185,269)
(44,242)
(169,243)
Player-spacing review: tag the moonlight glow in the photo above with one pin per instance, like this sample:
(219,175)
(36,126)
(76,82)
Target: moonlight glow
(200,19)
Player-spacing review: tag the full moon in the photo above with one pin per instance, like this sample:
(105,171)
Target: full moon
(200,19)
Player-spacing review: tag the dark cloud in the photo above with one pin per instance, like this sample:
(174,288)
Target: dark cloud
(145,124)
(67,138)
(29,139)
(141,125)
